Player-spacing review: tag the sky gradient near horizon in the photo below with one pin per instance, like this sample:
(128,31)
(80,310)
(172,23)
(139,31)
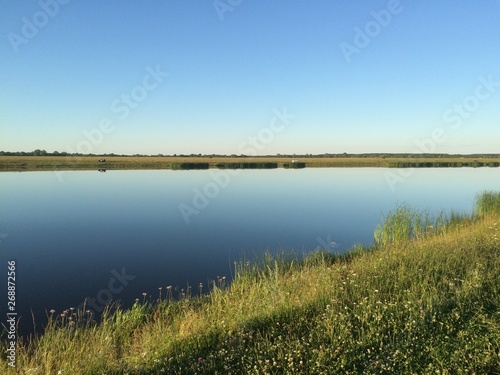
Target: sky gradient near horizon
(253,77)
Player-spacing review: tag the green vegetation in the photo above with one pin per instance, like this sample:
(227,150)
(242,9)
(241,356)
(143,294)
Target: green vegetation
(189,166)
(405,224)
(419,301)
(255,165)
(449,164)
(488,203)
(293,164)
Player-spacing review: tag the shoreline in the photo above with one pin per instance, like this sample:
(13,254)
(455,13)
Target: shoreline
(68,163)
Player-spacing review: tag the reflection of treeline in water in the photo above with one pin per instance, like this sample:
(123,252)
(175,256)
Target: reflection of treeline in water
(236,165)
(297,164)
(454,164)
(268,165)
(190,165)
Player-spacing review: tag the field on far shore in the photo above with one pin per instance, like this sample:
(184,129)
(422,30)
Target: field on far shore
(48,163)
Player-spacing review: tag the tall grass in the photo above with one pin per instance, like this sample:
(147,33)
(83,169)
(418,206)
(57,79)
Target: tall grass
(488,203)
(411,306)
(405,223)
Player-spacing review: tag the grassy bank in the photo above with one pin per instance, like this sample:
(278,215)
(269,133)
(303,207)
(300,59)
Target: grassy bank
(61,163)
(419,301)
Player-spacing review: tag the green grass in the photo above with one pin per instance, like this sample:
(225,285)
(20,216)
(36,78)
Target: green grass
(405,224)
(418,302)
(488,203)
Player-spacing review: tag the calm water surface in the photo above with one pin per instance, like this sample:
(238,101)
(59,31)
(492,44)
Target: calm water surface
(73,234)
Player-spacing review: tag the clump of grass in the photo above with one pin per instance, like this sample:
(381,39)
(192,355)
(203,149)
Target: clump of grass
(406,223)
(488,203)
(329,257)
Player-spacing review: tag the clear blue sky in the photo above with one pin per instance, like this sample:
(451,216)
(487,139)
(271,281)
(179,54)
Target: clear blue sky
(430,67)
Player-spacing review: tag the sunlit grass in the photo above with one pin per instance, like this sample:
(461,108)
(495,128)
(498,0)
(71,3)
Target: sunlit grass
(405,224)
(420,302)
(488,203)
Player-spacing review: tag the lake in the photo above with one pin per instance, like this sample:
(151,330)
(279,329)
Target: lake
(119,234)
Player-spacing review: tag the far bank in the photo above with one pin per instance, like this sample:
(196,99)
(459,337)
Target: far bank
(73,162)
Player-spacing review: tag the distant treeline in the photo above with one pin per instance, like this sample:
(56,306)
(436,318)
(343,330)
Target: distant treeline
(39,152)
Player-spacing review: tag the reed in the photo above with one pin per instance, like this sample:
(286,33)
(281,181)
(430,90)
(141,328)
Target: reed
(262,165)
(488,203)
(405,224)
(187,165)
(294,165)
(443,164)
